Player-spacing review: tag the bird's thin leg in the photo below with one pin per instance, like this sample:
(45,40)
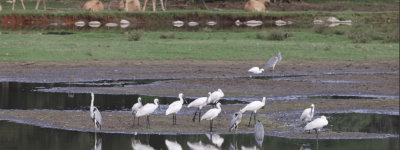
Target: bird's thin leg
(138,121)
(147,122)
(199,115)
(250,118)
(134,119)
(194,117)
(255,118)
(211,125)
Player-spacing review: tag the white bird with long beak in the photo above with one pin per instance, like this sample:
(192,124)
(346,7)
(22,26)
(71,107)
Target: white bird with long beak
(211,114)
(254,106)
(146,110)
(317,124)
(215,96)
(199,103)
(174,107)
(307,114)
(135,108)
(256,70)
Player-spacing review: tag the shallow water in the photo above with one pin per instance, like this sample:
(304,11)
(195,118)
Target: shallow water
(18,136)
(369,123)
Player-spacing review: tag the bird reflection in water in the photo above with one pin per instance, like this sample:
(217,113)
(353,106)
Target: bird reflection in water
(201,146)
(305,147)
(137,145)
(259,133)
(173,145)
(97,144)
(215,139)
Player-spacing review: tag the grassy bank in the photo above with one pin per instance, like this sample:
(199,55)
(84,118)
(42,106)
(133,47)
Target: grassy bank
(190,45)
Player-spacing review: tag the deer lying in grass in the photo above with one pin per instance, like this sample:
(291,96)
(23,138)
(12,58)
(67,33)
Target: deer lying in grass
(256,5)
(93,5)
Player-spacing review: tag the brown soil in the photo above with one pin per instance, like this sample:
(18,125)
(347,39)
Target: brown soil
(198,77)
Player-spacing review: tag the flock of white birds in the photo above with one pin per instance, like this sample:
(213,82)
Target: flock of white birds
(138,110)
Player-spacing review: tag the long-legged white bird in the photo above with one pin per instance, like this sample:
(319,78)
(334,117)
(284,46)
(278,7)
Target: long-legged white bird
(215,96)
(174,107)
(254,106)
(147,110)
(317,124)
(96,117)
(211,114)
(235,120)
(307,114)
(255,70)
(273,61)
(199,103)
(135,108)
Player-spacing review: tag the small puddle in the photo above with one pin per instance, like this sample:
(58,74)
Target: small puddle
(18,136)
(357,122)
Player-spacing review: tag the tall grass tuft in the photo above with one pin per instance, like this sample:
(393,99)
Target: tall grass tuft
(275,35)
(359,36)
(321,29)
(169,35)
(135,35)
(393,38)
(260,36)
(339,31)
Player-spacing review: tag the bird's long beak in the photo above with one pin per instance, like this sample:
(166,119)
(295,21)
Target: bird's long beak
(184,98)
(223,110)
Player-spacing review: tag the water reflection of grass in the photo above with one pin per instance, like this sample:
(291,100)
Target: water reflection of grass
(190,45)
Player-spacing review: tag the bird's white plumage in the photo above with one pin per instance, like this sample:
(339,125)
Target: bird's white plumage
(215,96)
(175,106)
(199,102)
(273,61)
(173,145)
(212,113)
(256,70)
(307,114)
(254,106)
(147,109)
(215,139)
(137,106)
(318,124)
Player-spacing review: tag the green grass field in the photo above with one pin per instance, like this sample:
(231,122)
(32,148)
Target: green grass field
(190,45)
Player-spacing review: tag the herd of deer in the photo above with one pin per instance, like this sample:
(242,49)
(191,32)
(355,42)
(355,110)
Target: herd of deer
(134,5)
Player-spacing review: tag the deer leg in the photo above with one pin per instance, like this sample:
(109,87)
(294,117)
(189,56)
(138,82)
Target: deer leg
(13,4)
(144,6)
(22,2)
(44,4)
(154,5)
(37,5)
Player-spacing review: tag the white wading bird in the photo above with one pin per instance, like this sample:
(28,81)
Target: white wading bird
(173,145)
(96,117)
(199,103)
(147,110)
(254,106)
(307,114)
(256,70)
(201,146)
(235,120)
(174,107)
(211,114)
(259,133)
(317,124)
(273,61)
(215,96)
(135,108)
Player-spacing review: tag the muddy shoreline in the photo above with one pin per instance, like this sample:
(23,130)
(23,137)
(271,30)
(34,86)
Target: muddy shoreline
(198,77)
